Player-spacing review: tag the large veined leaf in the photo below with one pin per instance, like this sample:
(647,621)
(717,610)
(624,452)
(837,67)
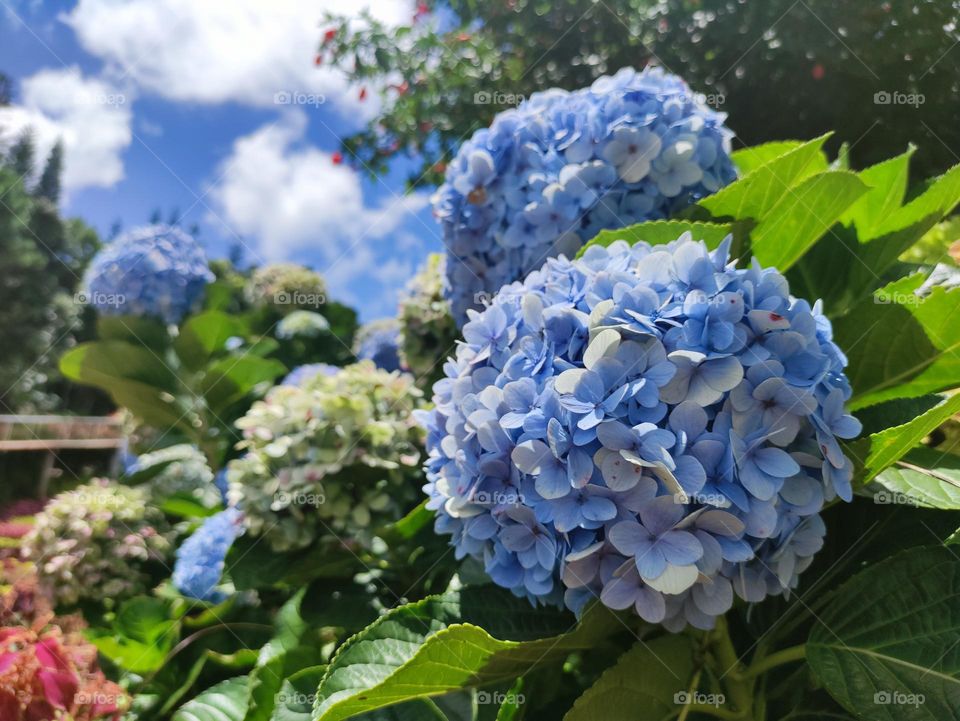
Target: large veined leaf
(658,232)
(648,683)
(879,451)
(900,344)
(888,645)
(924,477)
(141,635)
(103,363)
(225,701)
(467,638)
(802,215)
(204,335)
(230,379)
(147,332)
(755,194)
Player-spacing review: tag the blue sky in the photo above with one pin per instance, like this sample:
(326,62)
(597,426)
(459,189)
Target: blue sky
(214,108)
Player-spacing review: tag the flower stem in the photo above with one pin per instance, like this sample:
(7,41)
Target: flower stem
(787,655)
(729,670)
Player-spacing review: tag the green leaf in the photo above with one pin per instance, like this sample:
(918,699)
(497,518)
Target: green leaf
(224,702)
(252,564)
(888,185)
(802,215)
(295,699)
(134,329)
(901,345)
(231,379)
(755,194)
(642,685)
(134,378)
(183,505)
(105,362)
(204,336)
(440,644)
(658,232)
(924,477)
(879,451)
(512,708)
(410,525)
(749,159)
(141,636)
(890,636)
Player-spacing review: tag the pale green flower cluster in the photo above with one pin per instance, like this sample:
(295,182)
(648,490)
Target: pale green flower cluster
(286,287)
(97,543)
(427,329)
(338,455)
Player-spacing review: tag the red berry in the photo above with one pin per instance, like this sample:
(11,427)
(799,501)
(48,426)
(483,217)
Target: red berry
(337,157)
(363,93)
(318,60)
(329,35)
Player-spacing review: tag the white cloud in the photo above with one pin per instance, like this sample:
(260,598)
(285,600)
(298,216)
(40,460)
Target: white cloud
(88,115)
(215,51)
(291,199)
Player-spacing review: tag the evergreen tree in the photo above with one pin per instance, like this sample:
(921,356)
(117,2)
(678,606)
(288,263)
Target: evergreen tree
(49,184)
(20,157)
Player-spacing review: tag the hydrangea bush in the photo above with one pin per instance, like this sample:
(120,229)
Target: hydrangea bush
(302,374)
(334,454)
(550,174)
(427,329)
(47,674)
(650,425)
(97,543)
(379,341)
(157,271)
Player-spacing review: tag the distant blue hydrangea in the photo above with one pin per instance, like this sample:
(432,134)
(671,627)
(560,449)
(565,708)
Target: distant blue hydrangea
(301,374)
(156,271)
(200,559)
(379,341)
(221,483)
(546,177)
(651,426)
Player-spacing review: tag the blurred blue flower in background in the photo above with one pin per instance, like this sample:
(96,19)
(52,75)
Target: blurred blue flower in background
(157,271)
(379,341)
(647,425)
(547,176)
(301,374)
(201,558)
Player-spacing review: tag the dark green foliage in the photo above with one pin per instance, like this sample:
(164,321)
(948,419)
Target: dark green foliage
(779,68)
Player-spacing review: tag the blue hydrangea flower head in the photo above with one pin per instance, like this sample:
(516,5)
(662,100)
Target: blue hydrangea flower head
(379,341)
(156,271)
(301,374)
(547,176)
(201,558)
(649,425)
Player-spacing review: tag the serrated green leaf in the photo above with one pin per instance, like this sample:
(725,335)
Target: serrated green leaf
(892,635)
(754,195)
(924,477)
(225,701)
(888,186)
(879,451)
(204,335)
(658,232)
(749,159)
(642,685)
(295,699)
(802,215)
(467,638)
(901,345)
